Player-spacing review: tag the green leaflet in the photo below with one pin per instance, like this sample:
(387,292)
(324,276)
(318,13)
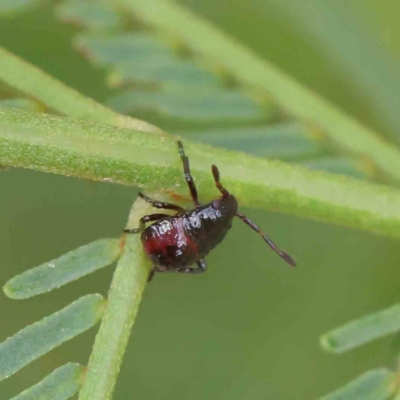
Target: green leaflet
(363,330)
(198,105)
(182,89)
(93,15)
(286,141)
(67,268)
(163,69)
(106,49)
(39,338)
(377,384)
(61,384)
(338,165)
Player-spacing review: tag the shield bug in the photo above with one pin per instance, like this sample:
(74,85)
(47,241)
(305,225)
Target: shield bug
(175,242)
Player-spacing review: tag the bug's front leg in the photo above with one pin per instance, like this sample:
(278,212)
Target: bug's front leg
(151,275)
(161,204)
(144,220)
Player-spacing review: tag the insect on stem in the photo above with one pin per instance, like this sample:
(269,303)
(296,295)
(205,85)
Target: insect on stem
(175,242)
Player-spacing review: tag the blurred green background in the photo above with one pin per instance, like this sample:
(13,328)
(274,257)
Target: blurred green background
(249,327)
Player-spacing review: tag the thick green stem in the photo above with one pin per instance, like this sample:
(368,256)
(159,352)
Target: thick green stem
(126,291)
(35,83)
(88,150)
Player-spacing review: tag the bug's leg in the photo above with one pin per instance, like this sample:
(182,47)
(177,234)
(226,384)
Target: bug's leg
(144,220)
(188,175)
(151,275)
(161,204)
(270,243)
(201,267)
(215,173)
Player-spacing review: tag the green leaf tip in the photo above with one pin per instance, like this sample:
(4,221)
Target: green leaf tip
(212,105)
(377,384)
(328,343)
(61,384)
(39,338)
(363,330)
(285,141)
(65,269)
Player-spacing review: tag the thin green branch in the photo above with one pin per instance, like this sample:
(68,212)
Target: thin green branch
(345,133)
(35,83)
(126,291)
(99,152)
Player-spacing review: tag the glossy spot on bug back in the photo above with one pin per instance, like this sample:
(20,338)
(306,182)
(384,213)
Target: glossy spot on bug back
(194,220)
(161,237)
(210,213)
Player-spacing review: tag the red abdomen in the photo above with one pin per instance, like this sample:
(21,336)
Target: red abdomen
(168,244)
(183,239)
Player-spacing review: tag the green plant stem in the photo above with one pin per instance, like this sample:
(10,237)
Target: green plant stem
(88,150)
(126,291)
(35,83)
(343,132)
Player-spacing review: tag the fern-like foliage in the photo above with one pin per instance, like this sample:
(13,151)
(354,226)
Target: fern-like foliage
(378,384)
(166,76)
(195,95)
(41,337)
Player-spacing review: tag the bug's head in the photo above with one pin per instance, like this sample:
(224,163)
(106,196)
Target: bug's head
(229,206)
(226,204)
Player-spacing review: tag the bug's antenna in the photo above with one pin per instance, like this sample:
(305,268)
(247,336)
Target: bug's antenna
(215,173)
(270,243)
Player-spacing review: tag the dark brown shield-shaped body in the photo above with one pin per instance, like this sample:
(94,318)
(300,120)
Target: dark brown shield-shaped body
(174,243)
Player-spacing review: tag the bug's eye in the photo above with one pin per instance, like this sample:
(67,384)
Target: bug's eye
(216,204)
